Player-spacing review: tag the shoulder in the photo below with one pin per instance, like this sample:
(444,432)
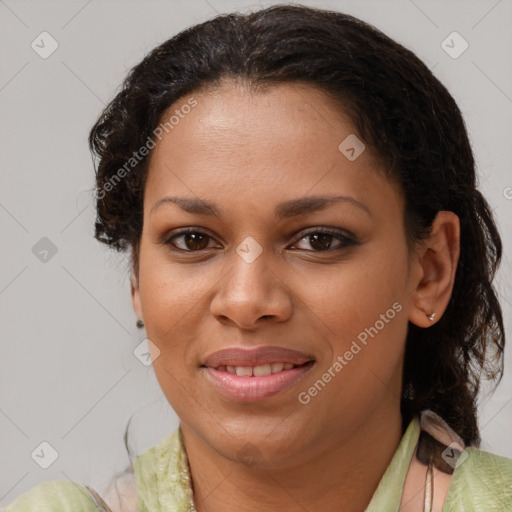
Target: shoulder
(57,496)
(481,481)
(168,452)
(162,475)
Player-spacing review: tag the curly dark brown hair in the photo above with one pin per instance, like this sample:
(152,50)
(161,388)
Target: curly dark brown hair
(399,108)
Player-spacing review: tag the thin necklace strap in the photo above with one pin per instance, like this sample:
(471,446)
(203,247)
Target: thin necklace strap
(429,488)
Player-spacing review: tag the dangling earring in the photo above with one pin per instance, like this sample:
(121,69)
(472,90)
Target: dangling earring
(432,316)
(140,324)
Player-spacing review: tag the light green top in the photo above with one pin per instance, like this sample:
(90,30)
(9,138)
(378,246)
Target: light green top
(481,483)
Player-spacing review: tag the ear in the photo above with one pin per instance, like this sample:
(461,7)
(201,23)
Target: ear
(134,287)
(436,262)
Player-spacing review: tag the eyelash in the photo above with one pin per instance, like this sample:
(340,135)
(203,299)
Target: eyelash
(339,235)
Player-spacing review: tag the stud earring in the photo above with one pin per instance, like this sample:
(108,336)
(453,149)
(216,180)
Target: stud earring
(432,316)
(140,324)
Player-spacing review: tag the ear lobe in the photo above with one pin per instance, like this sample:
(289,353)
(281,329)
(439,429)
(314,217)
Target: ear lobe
(437,257)
(134,288)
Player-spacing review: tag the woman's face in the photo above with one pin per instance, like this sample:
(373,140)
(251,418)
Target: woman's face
(266,269)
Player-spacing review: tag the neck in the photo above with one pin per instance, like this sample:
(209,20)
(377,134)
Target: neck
(347,472)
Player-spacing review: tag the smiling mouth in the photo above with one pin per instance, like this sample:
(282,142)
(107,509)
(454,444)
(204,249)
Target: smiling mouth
(239,374)
(259,370)
(255,383)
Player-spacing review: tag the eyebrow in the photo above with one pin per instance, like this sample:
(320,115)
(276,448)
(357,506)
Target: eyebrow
(287,209)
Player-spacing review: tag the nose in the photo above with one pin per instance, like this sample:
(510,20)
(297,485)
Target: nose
(251,292)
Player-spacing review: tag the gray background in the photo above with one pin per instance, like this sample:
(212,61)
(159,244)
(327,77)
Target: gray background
(68,375)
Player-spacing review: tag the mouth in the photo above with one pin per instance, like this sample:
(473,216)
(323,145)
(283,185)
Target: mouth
(258,371)
(242,375)
(236,357)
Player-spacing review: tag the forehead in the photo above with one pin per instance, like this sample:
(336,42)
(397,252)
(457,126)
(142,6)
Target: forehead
(243,145)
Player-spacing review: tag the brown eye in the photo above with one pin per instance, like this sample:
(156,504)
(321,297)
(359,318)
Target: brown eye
(320,242)
(196,241)
(325,240)
(189,241)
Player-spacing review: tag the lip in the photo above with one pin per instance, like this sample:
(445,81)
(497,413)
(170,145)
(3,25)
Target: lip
(238,356)
(252,389)
(239,388)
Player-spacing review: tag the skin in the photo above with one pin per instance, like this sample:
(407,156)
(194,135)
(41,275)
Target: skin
(247,152)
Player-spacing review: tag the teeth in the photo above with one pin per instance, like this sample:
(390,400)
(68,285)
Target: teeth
(277,367)
(264,369)
(256,371)
(243,371)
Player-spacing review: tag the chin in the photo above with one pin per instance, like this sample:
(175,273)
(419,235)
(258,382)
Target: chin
(258,446)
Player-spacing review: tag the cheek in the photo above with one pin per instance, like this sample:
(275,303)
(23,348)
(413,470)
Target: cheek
(168,291)
(361,309)
(352,296)
(165,302)
(363,351)
(168,300)
(175,299)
